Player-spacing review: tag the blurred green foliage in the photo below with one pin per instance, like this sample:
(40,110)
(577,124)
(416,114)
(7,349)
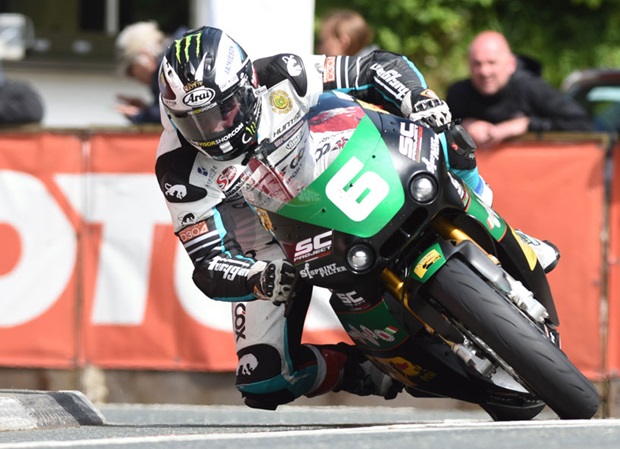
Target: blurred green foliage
(563,35)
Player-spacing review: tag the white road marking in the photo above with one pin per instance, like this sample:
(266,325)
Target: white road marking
(412,428)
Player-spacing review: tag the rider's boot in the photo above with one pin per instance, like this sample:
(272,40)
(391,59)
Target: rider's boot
(546,252)
(347,369)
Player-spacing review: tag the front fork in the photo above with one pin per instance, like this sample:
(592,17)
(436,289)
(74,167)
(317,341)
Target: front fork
(433,322)
(487,267)
(395,285)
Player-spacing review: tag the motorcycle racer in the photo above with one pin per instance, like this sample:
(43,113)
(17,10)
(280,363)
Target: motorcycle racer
(218,107)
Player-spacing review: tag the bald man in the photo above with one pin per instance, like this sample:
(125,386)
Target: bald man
(500,101)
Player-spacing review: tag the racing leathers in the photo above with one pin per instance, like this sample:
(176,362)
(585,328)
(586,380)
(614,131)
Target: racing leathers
(225,240)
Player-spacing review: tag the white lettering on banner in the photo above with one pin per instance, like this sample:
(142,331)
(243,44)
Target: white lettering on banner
(48,248)
(127,206)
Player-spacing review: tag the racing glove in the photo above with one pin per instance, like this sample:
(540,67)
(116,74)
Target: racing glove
(273,281)
(426,107)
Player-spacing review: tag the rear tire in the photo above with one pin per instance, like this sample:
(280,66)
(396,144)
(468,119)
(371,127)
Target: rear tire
(541,365)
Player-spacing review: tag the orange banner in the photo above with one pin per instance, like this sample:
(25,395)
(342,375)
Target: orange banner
(90,271)
(38,250)
(612,359)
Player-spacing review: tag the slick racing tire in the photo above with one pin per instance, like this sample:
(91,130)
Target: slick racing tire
(540,365)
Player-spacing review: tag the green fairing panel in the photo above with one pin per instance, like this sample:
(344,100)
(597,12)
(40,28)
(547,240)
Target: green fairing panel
(359,193)
(487,216)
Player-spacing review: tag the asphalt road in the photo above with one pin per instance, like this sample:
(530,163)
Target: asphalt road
(298,427)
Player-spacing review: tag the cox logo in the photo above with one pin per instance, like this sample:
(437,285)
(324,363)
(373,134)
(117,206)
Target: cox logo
(198,97)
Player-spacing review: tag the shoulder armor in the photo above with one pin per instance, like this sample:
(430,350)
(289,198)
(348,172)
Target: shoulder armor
(292,68)
(173,175)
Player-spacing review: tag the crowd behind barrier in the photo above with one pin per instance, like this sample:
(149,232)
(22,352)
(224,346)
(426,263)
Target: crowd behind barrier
(91,273)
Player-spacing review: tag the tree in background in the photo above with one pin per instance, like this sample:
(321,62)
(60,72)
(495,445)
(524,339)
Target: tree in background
(564,35)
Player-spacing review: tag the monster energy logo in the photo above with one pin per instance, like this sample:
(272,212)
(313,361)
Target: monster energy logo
(187,42)
(250,131)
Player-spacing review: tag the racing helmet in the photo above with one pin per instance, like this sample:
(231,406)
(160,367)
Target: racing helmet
(207,86)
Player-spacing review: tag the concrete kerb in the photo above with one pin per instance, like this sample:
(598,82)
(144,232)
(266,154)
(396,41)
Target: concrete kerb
(33,409)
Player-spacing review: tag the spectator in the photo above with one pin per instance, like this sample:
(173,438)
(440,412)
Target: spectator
(345,33)
(20,103)
(501,101)
(139,49)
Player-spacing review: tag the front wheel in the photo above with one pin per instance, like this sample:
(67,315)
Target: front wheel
(540,365)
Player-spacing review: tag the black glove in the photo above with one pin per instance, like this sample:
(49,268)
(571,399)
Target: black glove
(275,282)
(463,148)
(426,107)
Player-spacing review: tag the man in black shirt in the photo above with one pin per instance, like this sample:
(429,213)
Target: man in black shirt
(500,101)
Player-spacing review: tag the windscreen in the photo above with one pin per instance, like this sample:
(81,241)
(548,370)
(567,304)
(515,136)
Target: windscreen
(284,168)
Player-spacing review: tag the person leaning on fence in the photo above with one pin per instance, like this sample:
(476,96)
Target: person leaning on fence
(500,101)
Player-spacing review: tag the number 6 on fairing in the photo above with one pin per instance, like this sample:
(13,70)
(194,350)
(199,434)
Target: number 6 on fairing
(356,199)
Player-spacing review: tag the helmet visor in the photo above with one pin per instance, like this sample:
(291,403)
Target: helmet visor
(218,123)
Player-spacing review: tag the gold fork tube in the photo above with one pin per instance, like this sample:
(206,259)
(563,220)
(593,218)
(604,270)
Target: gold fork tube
(396,286)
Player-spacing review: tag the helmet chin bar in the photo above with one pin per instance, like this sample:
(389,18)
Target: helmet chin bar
(208,86)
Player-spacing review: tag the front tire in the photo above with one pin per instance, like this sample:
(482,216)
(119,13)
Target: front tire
(541,365)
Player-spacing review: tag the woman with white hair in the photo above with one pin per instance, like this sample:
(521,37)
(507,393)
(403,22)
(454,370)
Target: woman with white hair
(139,51)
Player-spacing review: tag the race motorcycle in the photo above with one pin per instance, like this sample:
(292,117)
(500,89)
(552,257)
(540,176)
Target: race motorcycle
(361,200)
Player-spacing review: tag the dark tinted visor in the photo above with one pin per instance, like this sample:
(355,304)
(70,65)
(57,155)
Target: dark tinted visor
(205,125)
